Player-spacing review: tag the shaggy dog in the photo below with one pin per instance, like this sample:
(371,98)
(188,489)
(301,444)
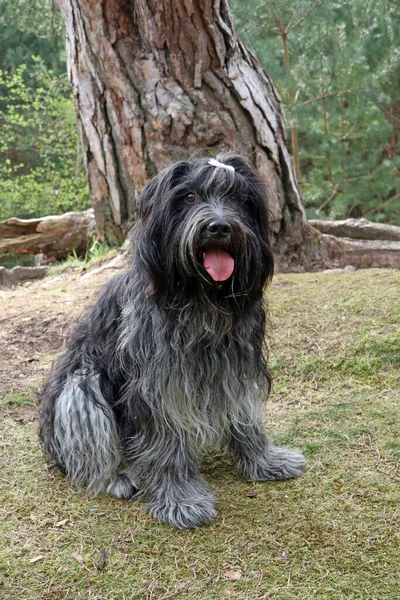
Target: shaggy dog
(170,359)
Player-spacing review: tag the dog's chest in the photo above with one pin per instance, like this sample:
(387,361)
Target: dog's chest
(195,373)
(204,387)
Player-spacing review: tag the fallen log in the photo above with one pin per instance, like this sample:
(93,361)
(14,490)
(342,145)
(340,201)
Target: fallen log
(55,236)
(359,229)
(339,252)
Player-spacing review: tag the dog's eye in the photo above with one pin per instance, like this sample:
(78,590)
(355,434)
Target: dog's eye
(190,197)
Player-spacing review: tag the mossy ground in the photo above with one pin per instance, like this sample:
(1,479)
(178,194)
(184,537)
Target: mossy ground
(333,534)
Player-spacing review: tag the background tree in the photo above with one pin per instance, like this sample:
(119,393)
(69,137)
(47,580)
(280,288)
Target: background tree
(41,168)
(154,82)
(341,96)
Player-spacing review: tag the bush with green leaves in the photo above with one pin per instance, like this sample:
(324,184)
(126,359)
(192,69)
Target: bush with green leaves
(41,169)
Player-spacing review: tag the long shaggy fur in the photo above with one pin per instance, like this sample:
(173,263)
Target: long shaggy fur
(168,361)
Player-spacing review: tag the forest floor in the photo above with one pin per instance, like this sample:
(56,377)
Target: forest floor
(333,534)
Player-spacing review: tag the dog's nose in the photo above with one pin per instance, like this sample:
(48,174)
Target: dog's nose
(219,228)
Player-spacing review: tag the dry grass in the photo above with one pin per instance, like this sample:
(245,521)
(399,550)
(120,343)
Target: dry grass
(334,534)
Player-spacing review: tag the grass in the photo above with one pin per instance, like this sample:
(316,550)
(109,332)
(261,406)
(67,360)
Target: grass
(18,400)
(333,534)
(95,255)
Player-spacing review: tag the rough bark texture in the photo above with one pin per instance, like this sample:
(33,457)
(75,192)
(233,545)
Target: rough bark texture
(358,229)
(155,81)
(359,243)
(54,236)
(338,252)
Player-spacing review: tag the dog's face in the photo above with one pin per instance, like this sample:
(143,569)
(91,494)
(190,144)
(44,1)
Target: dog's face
(203,231)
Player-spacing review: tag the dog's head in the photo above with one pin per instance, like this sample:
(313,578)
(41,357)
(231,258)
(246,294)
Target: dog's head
(203,231)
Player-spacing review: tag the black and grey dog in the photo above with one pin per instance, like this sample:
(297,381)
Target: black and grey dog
(170,359)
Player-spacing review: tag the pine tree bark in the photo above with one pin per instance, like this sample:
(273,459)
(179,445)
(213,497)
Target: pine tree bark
(155,81)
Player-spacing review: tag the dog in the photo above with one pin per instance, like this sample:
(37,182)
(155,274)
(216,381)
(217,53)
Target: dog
(171,358)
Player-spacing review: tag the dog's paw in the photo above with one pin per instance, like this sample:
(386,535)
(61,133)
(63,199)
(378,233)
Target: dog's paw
(183,510)
(121,487)
(276,464)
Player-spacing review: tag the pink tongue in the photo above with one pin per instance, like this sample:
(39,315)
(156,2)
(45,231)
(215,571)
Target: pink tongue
(218,263)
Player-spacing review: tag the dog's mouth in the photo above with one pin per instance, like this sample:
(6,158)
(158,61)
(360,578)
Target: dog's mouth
(218,263)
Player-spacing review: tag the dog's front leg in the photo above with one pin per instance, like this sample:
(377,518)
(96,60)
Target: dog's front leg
(258,459)
(171,483)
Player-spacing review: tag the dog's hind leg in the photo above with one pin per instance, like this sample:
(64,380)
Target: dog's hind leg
(258,459)
(85,439)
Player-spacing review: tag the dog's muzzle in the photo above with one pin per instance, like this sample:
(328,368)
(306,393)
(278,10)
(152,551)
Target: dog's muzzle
(217,261)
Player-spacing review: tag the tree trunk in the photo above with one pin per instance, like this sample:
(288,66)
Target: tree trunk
(156,81)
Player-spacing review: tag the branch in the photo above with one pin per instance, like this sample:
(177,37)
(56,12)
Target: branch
(358,229)
(55,236)
(273,30)
(323,96)
(289,29)
(330,199)
(295,12)
(273,14)
(378,208)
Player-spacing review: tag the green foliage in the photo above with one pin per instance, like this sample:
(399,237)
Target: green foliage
(31,28)
(337,68)
(41,170)
(336,65)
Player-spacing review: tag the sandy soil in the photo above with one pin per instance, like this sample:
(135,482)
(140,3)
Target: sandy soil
(34,321)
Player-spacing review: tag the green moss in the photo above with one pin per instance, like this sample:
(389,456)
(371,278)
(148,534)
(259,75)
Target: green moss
(17,400)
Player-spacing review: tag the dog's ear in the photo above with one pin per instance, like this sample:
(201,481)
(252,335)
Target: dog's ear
(257,205)
(152,248)
(256,190)
(177,172)
(240,164)
(158,185)
(255,185)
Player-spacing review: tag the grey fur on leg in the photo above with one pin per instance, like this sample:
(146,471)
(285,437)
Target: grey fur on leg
(259,460)
(121,487)
(184,505)
(86,442)
(167,467)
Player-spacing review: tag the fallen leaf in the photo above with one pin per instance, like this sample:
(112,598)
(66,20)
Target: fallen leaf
(61,523)
(232,575)
(40,557)
(248,546)
(251,494)
(78,557)
(102,560)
